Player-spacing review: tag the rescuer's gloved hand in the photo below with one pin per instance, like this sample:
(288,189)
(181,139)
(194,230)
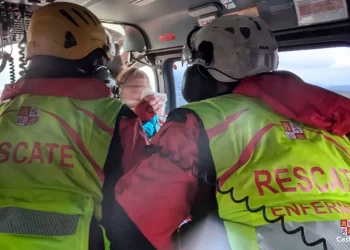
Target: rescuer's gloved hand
(148,107)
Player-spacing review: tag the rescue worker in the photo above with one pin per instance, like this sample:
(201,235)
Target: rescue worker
(64,143)
(256,152)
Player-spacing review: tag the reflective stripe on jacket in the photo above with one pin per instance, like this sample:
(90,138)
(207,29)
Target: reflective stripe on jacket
(276,163)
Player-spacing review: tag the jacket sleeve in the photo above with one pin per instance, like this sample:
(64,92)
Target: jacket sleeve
(158,193)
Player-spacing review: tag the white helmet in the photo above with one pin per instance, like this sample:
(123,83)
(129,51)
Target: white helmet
(233,47)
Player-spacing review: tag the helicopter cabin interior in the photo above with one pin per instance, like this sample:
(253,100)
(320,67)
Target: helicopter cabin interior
(313,37)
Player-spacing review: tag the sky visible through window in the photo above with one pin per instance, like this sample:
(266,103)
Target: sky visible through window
(328,68)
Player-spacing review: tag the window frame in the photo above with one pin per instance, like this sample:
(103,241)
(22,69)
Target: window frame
(169,81)
(168,65)
(323,45)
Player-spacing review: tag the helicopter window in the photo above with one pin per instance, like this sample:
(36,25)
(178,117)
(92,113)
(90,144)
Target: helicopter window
(328,68)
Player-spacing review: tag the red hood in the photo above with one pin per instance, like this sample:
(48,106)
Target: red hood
(77,88)
(299,101)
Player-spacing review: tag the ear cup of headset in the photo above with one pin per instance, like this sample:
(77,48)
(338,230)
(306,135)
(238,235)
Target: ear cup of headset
(206,52)
(198,84)
(191,53)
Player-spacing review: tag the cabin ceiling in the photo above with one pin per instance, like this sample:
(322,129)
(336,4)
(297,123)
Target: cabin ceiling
(123,11)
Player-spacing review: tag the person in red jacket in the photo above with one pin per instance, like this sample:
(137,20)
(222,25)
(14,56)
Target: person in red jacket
(245,119)
(134,83)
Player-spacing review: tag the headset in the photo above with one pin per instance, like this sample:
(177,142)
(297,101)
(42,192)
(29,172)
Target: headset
(204,52)
(102,73)
(116,91)
(198,84)
(205,49)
